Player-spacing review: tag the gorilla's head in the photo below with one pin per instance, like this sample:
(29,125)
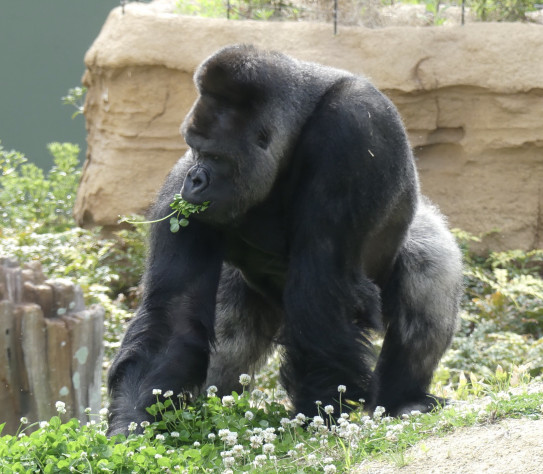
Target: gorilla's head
(239,130)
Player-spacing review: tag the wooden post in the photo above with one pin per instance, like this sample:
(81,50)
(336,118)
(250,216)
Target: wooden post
(51,347)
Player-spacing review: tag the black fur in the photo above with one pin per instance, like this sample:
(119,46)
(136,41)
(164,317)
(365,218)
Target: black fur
(316,233)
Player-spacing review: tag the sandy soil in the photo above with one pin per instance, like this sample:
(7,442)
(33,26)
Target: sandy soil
(509,447)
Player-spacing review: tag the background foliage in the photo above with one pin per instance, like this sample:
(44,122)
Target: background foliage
(484,10)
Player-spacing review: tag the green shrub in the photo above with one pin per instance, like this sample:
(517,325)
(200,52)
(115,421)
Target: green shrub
(29,198)
(239,9)
(502,10)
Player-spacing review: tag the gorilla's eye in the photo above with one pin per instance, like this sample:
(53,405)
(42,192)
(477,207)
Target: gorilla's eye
(263,138)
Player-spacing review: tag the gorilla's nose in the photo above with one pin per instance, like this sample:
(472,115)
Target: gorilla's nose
(196,181)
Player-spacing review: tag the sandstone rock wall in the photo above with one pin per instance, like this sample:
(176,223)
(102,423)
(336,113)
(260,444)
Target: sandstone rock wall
(471,98)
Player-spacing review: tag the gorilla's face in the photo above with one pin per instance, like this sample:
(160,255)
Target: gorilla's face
(230,163)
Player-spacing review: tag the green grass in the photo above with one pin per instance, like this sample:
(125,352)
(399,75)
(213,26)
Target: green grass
(250,432)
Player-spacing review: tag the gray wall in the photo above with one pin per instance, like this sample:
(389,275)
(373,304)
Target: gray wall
(42,45)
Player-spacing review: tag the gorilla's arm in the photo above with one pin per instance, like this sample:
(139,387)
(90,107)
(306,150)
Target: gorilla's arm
(344,206)
(167,344)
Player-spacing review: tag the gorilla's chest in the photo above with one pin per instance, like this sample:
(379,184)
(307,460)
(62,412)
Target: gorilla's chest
(259,249)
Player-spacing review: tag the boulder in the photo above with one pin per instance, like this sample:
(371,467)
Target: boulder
(471,98)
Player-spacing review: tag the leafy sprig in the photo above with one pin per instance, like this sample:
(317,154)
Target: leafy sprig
(182,210)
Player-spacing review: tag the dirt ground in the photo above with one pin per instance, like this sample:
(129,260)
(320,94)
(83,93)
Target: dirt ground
(509,447)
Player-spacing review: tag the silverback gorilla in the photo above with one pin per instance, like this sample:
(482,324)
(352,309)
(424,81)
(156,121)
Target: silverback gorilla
(316,233)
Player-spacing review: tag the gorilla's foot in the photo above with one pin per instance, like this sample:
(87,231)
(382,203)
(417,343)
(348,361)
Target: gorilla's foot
(424,404)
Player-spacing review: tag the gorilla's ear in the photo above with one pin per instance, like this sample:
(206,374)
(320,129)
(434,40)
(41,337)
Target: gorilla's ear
(220,80)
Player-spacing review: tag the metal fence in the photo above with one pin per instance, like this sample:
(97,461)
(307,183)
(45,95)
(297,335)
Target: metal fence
(367,13)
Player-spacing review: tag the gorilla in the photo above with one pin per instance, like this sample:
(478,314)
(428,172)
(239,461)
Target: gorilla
(316,235)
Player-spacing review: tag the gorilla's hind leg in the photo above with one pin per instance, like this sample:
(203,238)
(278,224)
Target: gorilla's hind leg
(420,307)
(245,328)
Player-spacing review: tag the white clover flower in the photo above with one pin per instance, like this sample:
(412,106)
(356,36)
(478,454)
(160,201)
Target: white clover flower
(280,429)
(256,441)
(284,422)
(228,471)
(378,412)
(44,424)
(231,439)
(249,415)
(103,412)
(88,411)
(228,401)
(228,461)
(299,446)
(157,391)
(22,435)
(257,394)
(328,409)
(158,456)
(61,407)
(211,436)
(300,419)
(144,424)
(244,379)
(132,426)
(414,412)
(238,450)
(160,437)
(341,388)
(317,421)
(196,444)
(224,433)
(259,461)
(268,448)
(329,469)
(312,439)
(311,458)
(318,403)
(361,401)
(170,452)
(174,434)
(212,390)
(24,420)
(291,453)
(168,394)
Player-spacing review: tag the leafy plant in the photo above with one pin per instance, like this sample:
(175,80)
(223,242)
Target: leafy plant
(28,197)
(75,97)
(502,10)
(182,210)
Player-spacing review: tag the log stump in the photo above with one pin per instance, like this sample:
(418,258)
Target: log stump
(51,347)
